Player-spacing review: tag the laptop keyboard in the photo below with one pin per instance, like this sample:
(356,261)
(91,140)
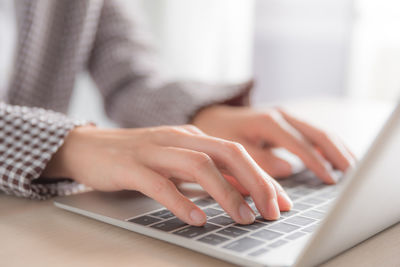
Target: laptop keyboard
(311,200)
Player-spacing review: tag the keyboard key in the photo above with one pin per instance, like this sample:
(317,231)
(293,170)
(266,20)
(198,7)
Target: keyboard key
(169,225)
(213,239)
(277,243)
(287,184)
(325,207)
(301,206)
(259,252)
(313,200)
(314,214)
(303,176)
(232,231)
(194,231)
(243,244)
(164,214)
(299,220)
(284,227)
(261,219)
(294,196)
(288,213)
(295,235)
(204,202)
(329,189)
(266,234)
(328,195)
(310,229)
(315,184)
(144,220)
(251,227)
(303,191)
(217,206)
(221,220)
(210,212)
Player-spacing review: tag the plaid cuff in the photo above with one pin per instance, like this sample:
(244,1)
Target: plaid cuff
(28,139)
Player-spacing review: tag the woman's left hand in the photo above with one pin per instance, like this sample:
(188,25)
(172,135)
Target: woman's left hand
(259,131)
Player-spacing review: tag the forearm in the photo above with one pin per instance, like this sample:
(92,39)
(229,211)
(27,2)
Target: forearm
(60,164)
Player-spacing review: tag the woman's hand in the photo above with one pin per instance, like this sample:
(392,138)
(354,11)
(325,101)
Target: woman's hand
(144,160)
(259,131)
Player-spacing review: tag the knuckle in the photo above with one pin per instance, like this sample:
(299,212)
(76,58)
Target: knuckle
(191,127)
(270,114)
(234,148)
(265,116)
(174,129)
(201,161)
(160,133)
(271,118)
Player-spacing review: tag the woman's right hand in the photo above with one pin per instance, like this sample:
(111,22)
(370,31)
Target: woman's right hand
(145,159)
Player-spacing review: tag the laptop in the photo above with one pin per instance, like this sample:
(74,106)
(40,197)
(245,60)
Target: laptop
(325,220)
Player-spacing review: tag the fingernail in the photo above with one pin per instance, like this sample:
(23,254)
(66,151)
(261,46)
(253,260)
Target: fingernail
(246,213)
(197,217)
(273,209)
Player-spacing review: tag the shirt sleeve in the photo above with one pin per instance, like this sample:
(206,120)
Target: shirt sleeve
(125,68)
(28,139)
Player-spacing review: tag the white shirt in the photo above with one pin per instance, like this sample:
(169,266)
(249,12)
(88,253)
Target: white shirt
(7,41)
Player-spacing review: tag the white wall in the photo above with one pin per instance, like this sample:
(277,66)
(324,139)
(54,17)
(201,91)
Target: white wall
(301,48)
(375,57)
(210,40)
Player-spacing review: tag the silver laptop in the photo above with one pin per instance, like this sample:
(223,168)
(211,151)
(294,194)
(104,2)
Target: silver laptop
(325,220)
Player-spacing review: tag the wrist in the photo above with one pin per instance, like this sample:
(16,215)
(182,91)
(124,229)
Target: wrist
(206,113)
(61,164)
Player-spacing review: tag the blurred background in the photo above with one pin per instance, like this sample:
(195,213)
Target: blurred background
(293,49)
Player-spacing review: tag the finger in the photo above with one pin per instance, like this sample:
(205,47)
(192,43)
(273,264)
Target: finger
(283,134)
(273,165)
(331,147)
(285,203)
(176,181)
(192,129)
(233,158)
(236,184)
(198,167)
(165,192)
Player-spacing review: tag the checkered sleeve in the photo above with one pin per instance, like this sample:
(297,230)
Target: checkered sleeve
(125,68)
(28,139)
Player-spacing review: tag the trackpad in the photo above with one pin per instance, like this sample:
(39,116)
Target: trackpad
(120,205)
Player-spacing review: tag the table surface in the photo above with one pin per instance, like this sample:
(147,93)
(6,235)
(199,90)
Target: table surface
(39,234)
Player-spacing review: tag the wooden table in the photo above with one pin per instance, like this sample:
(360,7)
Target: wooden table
(35,233)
